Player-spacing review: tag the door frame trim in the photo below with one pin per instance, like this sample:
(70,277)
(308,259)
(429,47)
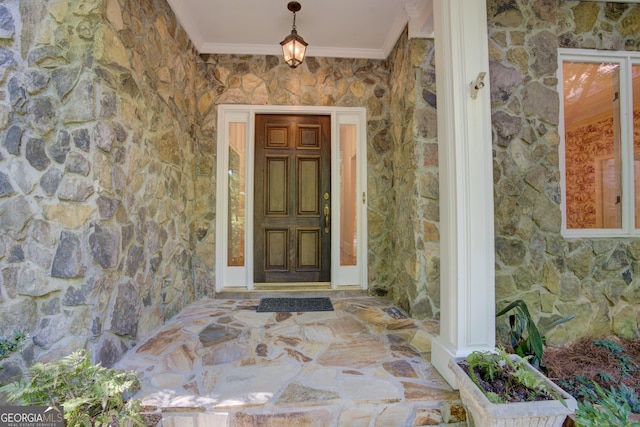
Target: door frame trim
(239,278)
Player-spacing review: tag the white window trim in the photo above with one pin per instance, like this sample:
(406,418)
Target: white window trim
(626,59)
(241,278)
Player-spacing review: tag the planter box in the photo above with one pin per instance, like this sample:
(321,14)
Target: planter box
(482,413)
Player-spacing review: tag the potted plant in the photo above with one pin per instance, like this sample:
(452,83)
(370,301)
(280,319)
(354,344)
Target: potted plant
(501,389)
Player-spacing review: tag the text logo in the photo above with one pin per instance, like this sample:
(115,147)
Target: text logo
(31,416)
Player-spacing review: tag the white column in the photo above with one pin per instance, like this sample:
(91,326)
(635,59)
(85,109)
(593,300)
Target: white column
(467,272)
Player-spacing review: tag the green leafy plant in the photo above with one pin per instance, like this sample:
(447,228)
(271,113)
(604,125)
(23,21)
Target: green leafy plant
(11,344)
(629,395)
(503,379)
(606,396)
(627,364)
(608,411)
(524,335)
(91,394)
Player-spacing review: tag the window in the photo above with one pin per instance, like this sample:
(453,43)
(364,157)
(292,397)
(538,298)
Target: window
(600,150)
(348,194)
(236,204)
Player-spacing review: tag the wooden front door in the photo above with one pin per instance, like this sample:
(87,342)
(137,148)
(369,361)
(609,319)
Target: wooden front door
(292,223)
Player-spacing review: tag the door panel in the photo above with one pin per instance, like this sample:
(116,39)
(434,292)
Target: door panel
(308,173)
(292,234)
(309,249)
(277,254)
(276,136)
(277,191)
(309,136)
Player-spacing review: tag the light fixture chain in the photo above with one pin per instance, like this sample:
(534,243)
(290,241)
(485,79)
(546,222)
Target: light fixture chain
(293,46)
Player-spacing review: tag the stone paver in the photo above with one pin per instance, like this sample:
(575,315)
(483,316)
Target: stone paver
(219,363)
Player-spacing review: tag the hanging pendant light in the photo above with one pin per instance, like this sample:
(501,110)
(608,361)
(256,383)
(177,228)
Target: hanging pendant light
(293,46)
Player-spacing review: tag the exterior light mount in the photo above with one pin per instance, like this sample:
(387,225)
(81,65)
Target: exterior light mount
(293,46)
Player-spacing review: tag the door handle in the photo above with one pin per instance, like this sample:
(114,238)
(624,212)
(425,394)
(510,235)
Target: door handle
(326,218)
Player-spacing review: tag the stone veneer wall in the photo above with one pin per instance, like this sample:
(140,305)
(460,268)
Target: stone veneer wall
(260,80)
(595,279)
(97,108)
(415,235)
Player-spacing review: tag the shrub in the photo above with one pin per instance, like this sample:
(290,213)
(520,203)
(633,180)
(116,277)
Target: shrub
(609,410)
(12,344)
(91,394)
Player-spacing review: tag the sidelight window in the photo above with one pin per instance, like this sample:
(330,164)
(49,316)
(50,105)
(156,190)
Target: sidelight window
(348,195)
(236,198)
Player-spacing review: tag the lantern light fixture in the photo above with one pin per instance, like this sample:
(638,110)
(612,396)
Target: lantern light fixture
(293,46)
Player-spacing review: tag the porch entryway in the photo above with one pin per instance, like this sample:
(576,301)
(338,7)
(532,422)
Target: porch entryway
(220,363)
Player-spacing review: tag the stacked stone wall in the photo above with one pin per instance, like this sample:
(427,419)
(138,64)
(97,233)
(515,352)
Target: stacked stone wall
(97,109)
(594,279)
(415,233)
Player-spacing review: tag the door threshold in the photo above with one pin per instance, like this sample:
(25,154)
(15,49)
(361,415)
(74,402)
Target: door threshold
(293,286)
(300,291)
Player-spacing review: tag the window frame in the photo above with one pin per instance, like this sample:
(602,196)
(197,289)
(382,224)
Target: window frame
(626,61)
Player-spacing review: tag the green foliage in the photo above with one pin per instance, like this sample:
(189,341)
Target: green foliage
(585,389)
(488,363)
(11,344)
(579,387)
(604,400)
(628,395)
(91,394)
(609,411)
(528,379)
(609,345)
(485,367)
(494,397)
(524,336)
(628,366)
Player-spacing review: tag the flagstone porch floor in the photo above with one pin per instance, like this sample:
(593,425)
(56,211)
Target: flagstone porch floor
(220,363)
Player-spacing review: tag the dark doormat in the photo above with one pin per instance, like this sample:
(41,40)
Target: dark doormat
(292,305)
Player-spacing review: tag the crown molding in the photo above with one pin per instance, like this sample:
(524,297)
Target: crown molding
(185,19)
(420,16)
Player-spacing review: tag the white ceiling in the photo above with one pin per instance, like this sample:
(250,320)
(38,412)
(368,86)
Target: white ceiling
(333,28)
(592,84)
